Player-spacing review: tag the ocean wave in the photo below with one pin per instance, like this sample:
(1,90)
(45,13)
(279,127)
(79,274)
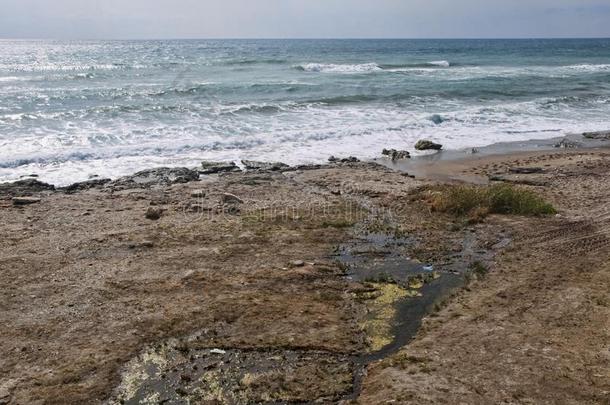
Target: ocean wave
(587,67)
(439,63)
(370,67)
(169,149)
(256,109)
(337,68)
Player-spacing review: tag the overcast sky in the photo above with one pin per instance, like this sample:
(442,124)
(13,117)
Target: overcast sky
(303,18)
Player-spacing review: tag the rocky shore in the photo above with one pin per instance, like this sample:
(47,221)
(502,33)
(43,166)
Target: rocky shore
(339,283)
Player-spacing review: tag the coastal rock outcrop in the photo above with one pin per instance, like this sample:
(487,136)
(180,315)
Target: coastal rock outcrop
(162,176)
(264,166)
(598,135)
(396,154)
(24,187)
(208,167)
(85,185)
(426,144)
(351,159)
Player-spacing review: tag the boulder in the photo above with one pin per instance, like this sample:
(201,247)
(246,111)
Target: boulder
(162,176)
(24,187)
(264,166)
(208,167)
(425,144)
(396,154)
(598,135)
(437,119)
(85,185)
(351,159)
(153,213)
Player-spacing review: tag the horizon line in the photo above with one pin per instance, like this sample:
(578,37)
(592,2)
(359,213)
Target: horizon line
(288,38)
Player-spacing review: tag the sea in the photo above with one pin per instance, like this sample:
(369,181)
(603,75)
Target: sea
(73,110)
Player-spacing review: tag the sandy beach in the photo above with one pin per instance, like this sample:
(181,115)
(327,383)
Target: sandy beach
(336,283)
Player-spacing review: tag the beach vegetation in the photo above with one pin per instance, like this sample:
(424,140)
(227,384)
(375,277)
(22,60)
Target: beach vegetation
(476,202)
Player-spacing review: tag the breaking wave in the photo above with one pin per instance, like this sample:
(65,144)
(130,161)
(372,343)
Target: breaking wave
(368,67)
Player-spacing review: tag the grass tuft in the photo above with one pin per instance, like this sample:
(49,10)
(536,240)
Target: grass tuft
(477,202)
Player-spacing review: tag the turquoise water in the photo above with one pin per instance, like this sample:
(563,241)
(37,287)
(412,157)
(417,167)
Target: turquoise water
(69,110)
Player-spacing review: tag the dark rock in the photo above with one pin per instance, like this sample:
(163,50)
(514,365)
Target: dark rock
(396,154)
(25,200)
(218,167)
(598,135)
(162,176)
(86,185)
(264,166)
(425,144)
(153,213)
(24,187)
(437,119)
(526,170)
(351,159)
(228,198)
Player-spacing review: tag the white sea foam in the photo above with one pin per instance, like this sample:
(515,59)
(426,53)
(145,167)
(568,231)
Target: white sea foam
(338,68)
(586,67)
(368,67)
(73,153)
(440,63)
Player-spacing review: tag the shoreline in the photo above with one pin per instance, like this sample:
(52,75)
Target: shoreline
(424,166)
